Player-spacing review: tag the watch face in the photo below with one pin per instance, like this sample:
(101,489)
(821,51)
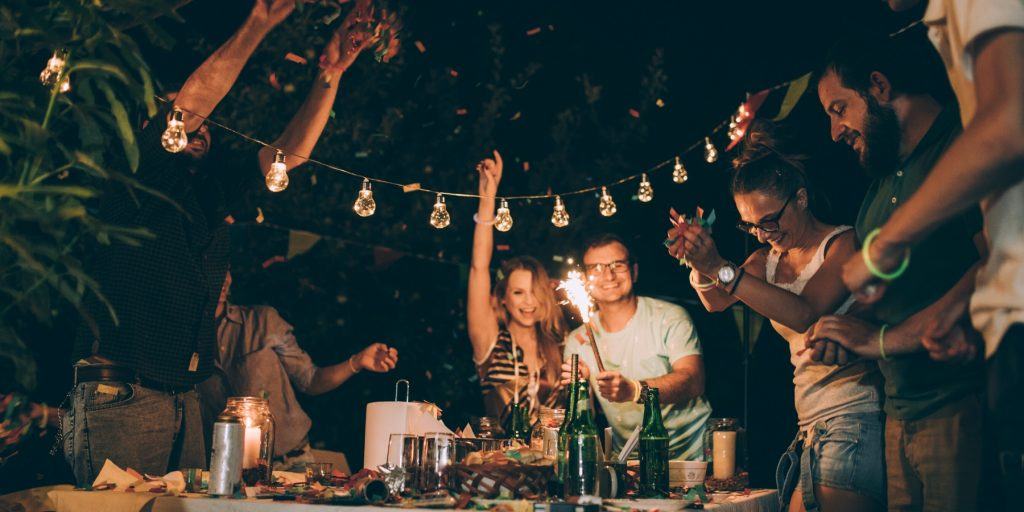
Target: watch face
(726,274)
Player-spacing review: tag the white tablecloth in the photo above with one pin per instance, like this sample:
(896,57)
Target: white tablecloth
(110,501)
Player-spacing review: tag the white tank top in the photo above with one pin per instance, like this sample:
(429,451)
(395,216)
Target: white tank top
(823,392)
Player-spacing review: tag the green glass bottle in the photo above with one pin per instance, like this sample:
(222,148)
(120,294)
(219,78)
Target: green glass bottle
(570,413)
(519,423)
(583,455)
(653,449)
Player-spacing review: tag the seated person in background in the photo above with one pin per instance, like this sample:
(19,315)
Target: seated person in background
(644,342)
(257,355)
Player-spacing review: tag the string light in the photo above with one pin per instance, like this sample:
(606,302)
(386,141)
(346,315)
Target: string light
(54,68)
(646,192)
(559,217)
(174,138)
(710,153)
(503,219)
(277,177)
(365,205)
(439,218)
(679,172)
(65,85)
(607,205)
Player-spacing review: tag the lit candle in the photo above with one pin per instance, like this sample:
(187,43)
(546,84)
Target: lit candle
(251,450)
(724,457)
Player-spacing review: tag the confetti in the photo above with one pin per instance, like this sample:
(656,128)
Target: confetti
(229,219)
(411,187)
(273,81)
(289,88)
(298,59)
(502,247)
(551,28)
(420,46)
(461,111)
(273,259)
(453,72)
(533,31)
(634,112)
(516,116)
(259,215)
(660,103)
(558,258)
(526,166)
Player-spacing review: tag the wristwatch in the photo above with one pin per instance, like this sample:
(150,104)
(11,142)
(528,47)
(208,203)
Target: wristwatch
(727,274)
(643,391)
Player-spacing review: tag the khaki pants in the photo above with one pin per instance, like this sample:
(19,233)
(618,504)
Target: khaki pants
(934,463)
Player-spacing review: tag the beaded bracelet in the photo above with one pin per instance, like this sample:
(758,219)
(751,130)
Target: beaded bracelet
(875,271)
(484,222)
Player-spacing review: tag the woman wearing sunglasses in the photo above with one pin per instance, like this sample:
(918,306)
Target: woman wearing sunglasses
(836,461)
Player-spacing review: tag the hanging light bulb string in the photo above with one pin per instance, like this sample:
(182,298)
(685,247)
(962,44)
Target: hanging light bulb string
(588,190)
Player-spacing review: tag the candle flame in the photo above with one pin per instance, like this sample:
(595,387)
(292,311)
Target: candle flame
(577,294)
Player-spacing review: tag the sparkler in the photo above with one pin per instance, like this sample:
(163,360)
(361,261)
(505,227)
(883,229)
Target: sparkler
(577,294)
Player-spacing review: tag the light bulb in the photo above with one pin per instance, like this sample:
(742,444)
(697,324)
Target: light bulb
(710,153)
(65,85)
(503,219)
(174,138)
(646,192)
(439,218)
(54,67)
(559,217)
(365,205)
(277,177)
(606,206)
(679,172)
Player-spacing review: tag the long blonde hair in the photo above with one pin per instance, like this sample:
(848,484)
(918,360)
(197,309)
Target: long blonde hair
(551,328)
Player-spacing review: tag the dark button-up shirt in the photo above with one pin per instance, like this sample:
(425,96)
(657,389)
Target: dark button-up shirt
(915,385)
(164,290)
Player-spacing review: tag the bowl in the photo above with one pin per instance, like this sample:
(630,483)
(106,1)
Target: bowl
(686,473)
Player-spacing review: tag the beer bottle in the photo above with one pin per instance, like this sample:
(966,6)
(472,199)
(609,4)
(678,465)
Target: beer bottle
(583,453)
(570,413)
(653,449)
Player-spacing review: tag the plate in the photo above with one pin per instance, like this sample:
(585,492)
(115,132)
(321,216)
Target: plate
(649,505)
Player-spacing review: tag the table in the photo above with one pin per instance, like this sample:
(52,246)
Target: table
(764,500)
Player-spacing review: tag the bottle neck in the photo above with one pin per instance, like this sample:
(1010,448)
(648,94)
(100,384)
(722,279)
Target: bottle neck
(652,413)
(583,417)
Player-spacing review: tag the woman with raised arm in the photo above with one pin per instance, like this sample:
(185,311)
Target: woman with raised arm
(836,461)
(516,327)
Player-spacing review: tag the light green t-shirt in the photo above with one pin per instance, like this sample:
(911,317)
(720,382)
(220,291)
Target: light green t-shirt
(659,334)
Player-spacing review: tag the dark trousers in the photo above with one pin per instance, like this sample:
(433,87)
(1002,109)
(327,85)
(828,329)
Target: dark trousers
(1006,411)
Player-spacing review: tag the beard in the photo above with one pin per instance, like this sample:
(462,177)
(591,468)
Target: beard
(881,140)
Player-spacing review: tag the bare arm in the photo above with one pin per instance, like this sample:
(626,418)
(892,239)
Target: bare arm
(481,319)
(304,130)
(684,383)
(716,299)
(987,157)
(208,84)
(822,294)
(378,357)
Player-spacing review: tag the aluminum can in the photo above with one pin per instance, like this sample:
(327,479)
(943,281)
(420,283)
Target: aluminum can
(226,457)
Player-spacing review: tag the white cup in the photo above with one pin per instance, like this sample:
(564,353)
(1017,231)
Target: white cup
(686,473)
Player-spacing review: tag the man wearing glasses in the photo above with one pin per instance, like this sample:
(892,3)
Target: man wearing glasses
(644,343)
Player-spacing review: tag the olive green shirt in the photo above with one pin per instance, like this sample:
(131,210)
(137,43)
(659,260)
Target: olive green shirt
(915,385)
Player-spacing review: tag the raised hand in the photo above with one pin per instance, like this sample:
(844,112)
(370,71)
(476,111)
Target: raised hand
(490,175)
(271,12)
(377,357)
(693,242)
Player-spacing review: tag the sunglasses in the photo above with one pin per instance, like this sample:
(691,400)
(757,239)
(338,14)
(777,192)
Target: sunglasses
(769,225)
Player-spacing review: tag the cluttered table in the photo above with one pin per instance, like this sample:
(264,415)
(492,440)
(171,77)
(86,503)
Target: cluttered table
(764,500)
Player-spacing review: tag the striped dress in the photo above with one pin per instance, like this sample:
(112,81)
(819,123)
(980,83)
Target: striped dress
(499,383)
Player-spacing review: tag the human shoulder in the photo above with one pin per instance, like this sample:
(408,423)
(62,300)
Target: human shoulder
(664,310)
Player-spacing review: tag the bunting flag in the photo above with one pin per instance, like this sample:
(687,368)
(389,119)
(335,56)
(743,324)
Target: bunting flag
(748,333)
(794,92)
(300,242)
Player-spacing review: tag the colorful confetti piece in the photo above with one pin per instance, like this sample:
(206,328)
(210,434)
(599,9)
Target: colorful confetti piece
(298,59)
(533,31)
(516,116)
(461,111)
(273,81)
(660,103)
(411,187)
(634,112)
(420,46)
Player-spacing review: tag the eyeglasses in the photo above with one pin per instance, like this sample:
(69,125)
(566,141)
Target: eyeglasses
(617,267)
(768,225)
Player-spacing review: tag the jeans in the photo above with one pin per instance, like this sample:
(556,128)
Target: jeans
(844,452)
(135,427)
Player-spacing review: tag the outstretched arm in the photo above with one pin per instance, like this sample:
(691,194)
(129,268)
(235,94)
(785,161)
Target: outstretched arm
(481,319)
(208,84)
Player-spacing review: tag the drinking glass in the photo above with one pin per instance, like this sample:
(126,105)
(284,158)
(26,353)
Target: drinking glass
(404,451)
(319,472)
(438,453)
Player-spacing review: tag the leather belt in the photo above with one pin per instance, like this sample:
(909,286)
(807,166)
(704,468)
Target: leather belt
(119,373)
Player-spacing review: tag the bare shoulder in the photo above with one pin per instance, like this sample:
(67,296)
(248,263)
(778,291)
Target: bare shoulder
(842,245)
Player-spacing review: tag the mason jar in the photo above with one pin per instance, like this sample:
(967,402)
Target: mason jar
(258,441)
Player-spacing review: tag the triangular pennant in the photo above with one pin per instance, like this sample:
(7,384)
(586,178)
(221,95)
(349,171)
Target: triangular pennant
(300,242)
(794,92)
(748,333)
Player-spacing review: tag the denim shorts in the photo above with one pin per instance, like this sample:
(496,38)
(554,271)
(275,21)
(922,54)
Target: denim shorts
(845,452)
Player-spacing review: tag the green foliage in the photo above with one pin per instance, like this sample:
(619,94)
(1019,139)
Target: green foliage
(56,154)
